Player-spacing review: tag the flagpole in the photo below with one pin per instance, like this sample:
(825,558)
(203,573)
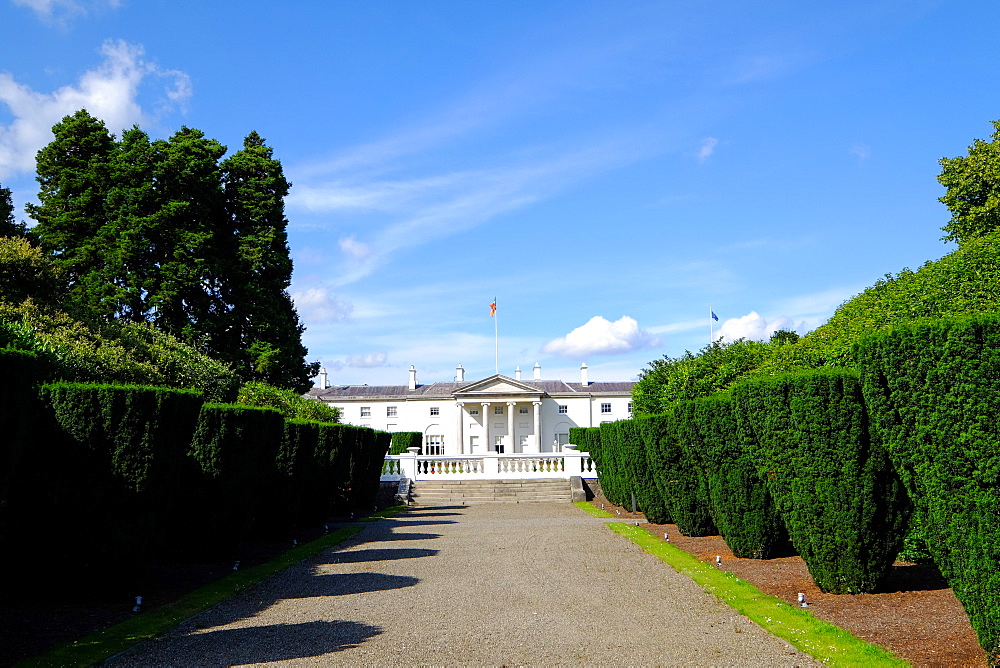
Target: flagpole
(711,326)
(496,338)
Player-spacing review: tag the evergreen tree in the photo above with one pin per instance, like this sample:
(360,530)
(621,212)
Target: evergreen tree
(8,228)
(265,329)
(73,172)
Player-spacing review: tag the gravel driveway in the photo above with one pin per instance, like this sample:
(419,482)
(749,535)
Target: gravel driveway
(505,584)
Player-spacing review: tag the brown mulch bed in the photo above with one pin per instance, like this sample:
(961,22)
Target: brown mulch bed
(916,616)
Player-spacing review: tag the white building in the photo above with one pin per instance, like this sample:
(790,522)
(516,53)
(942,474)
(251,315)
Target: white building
(462,418)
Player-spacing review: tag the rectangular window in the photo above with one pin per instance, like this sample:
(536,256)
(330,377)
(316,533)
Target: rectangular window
(366,411)
(498,410)
(523,410)
(390,411)
(473,411)
(605,408)
(473,442)
(435,410)
(630,408)
(563,409)
(433,445)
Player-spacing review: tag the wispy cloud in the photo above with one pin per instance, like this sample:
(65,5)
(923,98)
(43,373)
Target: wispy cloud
(61,12)
(707,148)
(861,151)
(599,336)
(320,305)
(109,92)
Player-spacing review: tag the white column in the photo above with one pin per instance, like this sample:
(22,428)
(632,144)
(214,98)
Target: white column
(458,427)
(510,427)
(486,426)
(536,407)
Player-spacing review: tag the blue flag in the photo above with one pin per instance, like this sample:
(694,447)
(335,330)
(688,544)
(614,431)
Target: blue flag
(714,317)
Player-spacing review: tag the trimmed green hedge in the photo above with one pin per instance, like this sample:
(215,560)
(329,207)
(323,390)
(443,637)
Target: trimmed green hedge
(683,490)
(844,506)
(621,442)
(933,389)
(401,440)
(738,500)
(236,447)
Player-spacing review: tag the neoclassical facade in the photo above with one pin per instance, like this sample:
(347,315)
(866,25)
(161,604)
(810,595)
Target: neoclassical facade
(462,418)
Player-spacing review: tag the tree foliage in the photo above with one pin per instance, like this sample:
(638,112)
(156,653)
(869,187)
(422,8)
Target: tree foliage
(8,227)
(163,232)
(973,190)
(289,403)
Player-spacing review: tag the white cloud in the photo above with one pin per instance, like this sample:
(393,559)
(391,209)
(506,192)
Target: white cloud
(109,92)
(318,305)
(357,250)
(708,145)
(59,12)
(862,151)
(602,337)
(369,361)
(752,326)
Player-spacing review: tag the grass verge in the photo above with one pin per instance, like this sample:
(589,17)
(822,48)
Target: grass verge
(91,650)
(823,641)
(591,509)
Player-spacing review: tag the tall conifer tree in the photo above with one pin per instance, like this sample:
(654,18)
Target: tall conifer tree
(265,325)
(9,228)
(73,172)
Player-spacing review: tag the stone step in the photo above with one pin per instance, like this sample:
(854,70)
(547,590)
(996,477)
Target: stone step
(442,492)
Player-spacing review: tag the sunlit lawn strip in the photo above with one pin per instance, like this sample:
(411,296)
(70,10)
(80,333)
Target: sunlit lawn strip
(821,640)
(590,509)
(96,647)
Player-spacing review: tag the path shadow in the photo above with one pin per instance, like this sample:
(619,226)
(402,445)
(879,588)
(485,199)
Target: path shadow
(393,522)
(417,513)
(266,644)
(376,554)
(341,584)
(407,536)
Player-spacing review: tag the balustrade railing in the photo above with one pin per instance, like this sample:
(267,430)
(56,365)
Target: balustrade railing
(490,466)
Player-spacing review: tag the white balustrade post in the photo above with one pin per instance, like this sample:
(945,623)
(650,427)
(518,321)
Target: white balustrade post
(408,463)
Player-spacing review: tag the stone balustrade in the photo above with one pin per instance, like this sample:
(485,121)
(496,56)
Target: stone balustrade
(491,466)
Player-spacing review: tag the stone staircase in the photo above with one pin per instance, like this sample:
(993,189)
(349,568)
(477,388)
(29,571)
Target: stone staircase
(469,492)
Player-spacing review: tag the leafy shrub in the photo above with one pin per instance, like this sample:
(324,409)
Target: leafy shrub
(843,505)
(628,472)
(236,448)
(401,440)
(933,388)
(738,500)
(288,402)
(683,490)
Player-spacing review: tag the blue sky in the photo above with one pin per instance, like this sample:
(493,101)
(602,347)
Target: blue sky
(607,170)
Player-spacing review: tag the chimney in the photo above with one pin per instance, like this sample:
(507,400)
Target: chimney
(583,375)
(459,374)
(323,383)
(517,373)
(413,377)
(538,371)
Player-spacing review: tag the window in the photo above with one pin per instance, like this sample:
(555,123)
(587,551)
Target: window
(366,411)
(473,411)
(605,408)
(630,408)
(563,409)
(390,411)
(473,442)
(498,410)
(523,410)
(433,445)
(435,410)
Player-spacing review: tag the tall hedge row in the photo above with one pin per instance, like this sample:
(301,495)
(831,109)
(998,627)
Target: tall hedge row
(738,500)
(629,472)
(401,440)
(845,508)
(933,389)
(682,489)
(127,476)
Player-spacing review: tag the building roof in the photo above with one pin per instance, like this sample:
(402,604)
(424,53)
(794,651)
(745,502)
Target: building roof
(446,390)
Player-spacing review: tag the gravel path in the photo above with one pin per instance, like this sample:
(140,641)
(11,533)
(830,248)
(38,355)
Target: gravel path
(510,584)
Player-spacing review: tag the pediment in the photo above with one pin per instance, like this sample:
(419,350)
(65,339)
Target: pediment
(498,385)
